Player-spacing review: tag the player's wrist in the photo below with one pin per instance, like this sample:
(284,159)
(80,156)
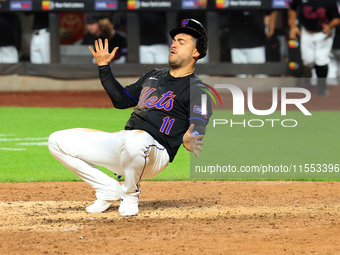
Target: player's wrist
(329,26)
(102,66)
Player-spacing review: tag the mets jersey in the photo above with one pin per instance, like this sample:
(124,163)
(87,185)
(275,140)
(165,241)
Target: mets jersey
(314,13)
(165,106)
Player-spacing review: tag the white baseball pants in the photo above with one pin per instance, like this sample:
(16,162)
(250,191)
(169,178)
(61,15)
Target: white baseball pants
(316,47)
(132,153)
(9,54)
(154,54)
(255,55)
(40,47)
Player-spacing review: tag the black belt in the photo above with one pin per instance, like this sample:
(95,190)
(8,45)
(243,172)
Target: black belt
(38,31)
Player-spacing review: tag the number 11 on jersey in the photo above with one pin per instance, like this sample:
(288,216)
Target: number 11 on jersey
(167,125)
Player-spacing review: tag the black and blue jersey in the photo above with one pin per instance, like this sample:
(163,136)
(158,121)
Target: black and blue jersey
(165,106)
(314,13)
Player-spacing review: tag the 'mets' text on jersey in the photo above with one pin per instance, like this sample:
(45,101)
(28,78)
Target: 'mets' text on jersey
(165,106)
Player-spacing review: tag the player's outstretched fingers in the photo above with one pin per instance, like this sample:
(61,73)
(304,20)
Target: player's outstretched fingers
(106,44)
(92,51)
(96,46)
(113,53)
(199,148)
(100,42)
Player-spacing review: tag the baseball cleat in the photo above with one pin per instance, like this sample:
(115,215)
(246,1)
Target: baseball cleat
(128,207)
(99,206)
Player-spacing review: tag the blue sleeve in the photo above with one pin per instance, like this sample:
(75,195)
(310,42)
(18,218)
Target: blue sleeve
(199,119)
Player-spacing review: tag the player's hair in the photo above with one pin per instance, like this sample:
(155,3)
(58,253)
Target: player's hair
(194,40)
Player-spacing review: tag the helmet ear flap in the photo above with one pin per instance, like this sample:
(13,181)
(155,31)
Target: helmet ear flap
(202,46)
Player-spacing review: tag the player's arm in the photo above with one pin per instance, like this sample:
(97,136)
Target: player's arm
(294,30)
(198,121)
(326,28)
(334,15)
(270,23)
(118,94)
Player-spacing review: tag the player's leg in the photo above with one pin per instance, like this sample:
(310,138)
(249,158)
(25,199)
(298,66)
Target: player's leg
(145,54)
(239,56)
(142,157)
(35,53)
(323,48)
(321,73)
(9,54)
(332,69)
(161,53)
(308,48)
(257,55)
(80,150)
(45,46)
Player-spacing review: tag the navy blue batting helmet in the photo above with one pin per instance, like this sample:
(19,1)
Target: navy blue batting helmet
(195,29)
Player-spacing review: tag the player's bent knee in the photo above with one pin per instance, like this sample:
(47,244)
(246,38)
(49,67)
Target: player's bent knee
(55,140)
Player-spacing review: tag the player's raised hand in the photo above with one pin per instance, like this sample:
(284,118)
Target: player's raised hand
(192,141)
(102,55)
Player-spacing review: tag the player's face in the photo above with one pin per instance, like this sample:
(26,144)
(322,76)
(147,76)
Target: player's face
(182,51)
(93,28)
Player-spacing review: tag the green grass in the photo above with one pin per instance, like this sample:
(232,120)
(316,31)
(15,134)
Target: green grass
(314,140)
(35,163)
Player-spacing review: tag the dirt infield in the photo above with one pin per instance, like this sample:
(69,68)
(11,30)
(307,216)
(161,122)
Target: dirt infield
(175,218)
(189,217)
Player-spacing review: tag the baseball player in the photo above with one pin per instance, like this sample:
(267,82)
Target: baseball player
(317,18)
(41,38)
(167,113)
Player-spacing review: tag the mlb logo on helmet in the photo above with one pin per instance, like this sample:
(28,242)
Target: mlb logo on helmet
(185,22)
(195,29)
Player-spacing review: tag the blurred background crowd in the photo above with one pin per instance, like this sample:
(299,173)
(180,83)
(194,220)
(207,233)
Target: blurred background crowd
(246,36)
